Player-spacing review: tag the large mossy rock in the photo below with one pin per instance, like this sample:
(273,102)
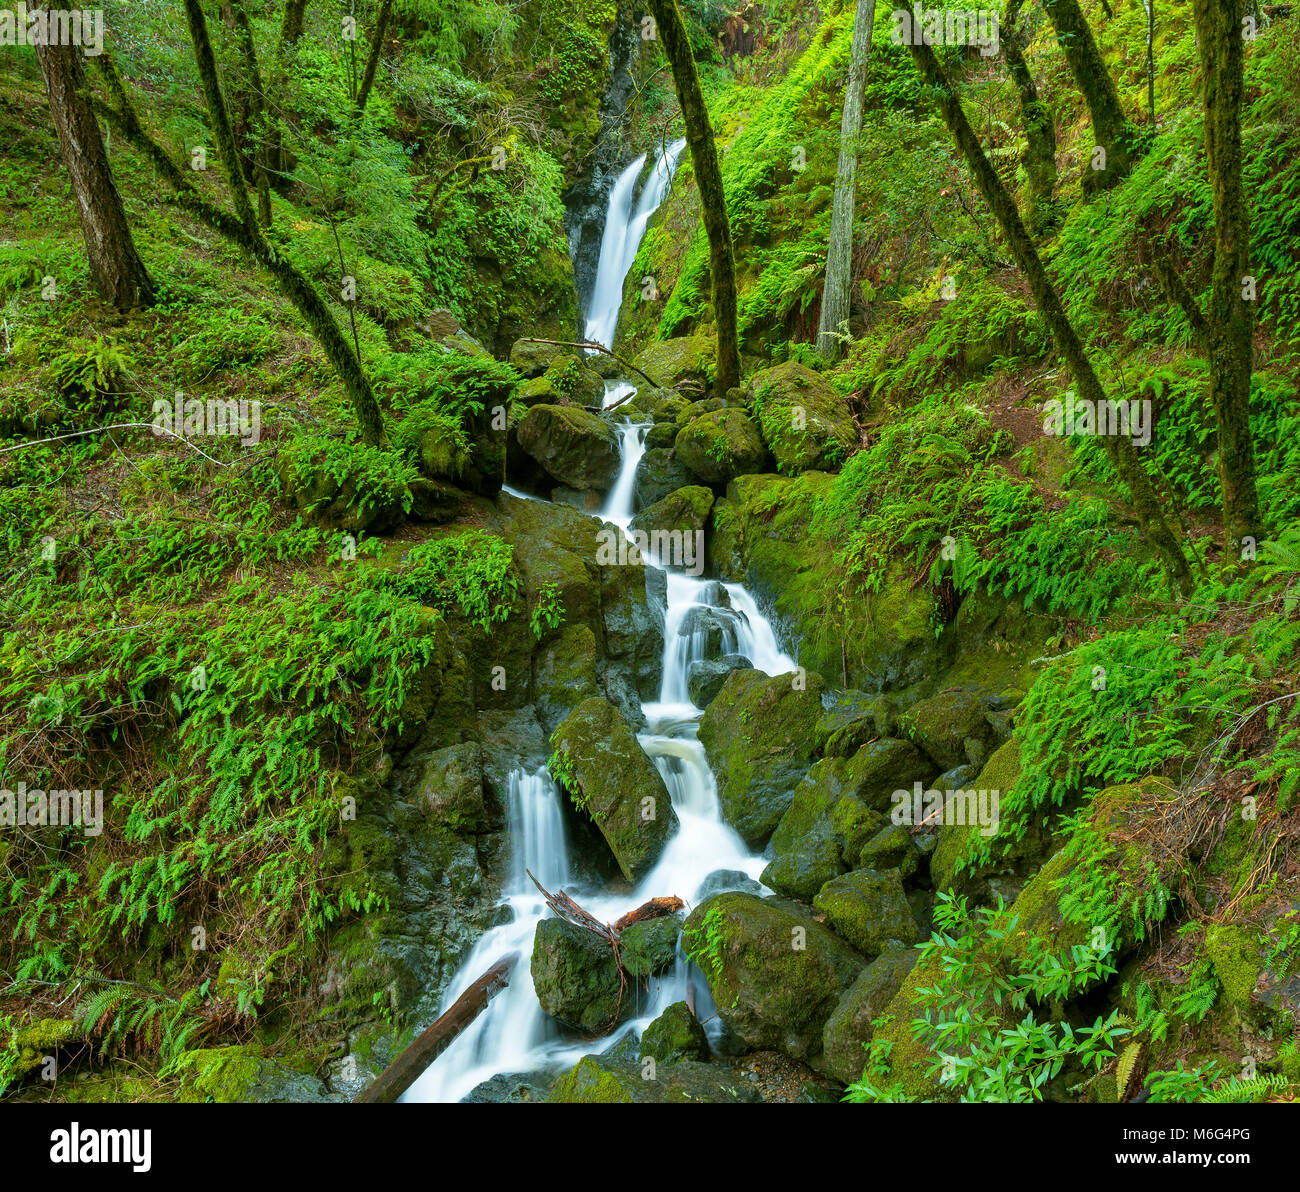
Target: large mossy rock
(576,448)
(675,1035)
(605,1080)
(685,511)
(575,381)
(451,787)
(650,946)
(352,498)
(575,977)
(610,776)
(659,474)
(722,445)
(805,422)
(953,727)
(836,812)
(763,537)
(849,1029)
(775,975)
(911,1063)
(532,359)
(758,734)
(868,908)
(672,361)
(243,1075)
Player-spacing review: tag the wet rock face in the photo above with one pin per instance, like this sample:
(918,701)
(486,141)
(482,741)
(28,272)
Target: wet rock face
(607,1080)
(849,1029)
(675,1035)
(704,677)
(587,200)
(659,474)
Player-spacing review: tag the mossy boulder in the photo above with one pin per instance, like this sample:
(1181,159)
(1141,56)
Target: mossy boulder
(661,435)
(849,1028)
(854,718)
(805,422)
(834,812)
(685,511)
(775,975)
(650,946)
(953,727)
(675,1035)
(912,1065)
(575,977)
(758,734)
(868,908)
(32,1043)
(575,381)
(603,1080)
(764,536)
(705,676)
(608,774)
(577,448)
(720,446)
(532,359)
(330,493)
(243,1075)
(659,474)
(893,847)
(671,362)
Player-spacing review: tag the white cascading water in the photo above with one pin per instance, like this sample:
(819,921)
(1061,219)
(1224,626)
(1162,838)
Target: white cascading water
(624,228)
(513,1035)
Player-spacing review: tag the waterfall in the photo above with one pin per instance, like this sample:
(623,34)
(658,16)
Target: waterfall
(624,228)
(513,1035)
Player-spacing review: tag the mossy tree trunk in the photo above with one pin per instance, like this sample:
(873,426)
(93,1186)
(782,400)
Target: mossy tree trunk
(242,227)
(115,266)
(1230,339)
(833,322)
(256,111)
(376,49)
(1039,157)
(1122,453)
(295,15)
(1113,131)
(708,177)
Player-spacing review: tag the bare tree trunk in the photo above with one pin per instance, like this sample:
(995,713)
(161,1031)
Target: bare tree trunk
(115,265)
(1039,157)
(1114,133)
(833,324)
(376,49)
(708,176)
(1122,452)
(1231,315)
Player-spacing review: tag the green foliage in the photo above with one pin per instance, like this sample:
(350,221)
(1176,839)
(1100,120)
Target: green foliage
(374,478)
(548,611)
(471,572)
(981,1021)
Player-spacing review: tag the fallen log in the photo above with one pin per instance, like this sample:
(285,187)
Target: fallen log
(656,908)
(403,1072)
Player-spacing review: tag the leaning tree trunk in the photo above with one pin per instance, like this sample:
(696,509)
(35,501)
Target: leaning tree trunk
(376,49)
(115,265)
(708,176)
(1151,61)
(1231,320)
(1112,129)
(833,324)
(245,231)
(1121,451)
(1039,157)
